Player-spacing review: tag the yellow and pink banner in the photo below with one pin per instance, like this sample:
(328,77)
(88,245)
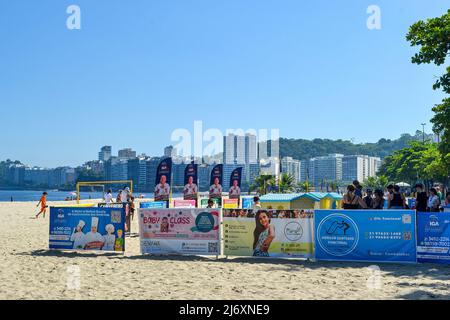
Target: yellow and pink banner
(180,231)
(268,233)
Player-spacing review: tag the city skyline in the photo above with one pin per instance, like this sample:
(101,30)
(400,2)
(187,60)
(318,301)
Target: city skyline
(134,75)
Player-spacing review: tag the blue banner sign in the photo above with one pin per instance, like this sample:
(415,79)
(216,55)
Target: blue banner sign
(153,205)
(247,203)
(365,235)
(87,229)
(433,237)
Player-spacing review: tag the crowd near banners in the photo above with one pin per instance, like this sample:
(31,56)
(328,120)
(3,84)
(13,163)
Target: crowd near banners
(163,180)
(235,184)
(268,233)
(180,231)
(184,203)
(433,237)
(366,235)
(87,229)
(247,203)
(215,189)
(153,204)
(230,204)
(204,203)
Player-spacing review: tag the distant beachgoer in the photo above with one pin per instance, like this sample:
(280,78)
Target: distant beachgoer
(358,188)
(368,199)
(125,194)
(390,189)
(433,201)
(109,197)
(256,204)
(447,199)
(351,201)
(43,203)
(396,200)
(12,200)
(378,201)
(421,198)
(118,198)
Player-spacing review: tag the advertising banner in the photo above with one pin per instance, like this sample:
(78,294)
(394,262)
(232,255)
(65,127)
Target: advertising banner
(230,203)
(247,203)
(184,203)
(235,184)
(366,235)
(87,229)
(268,233)
(190,191)
(163,180)
(204,203)
(215,189)
(153,204)
(180,231)
(433,237)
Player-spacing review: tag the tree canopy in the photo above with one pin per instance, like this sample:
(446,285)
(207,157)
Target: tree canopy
(433,38)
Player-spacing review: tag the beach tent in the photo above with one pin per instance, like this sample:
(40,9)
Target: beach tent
(280,201)
(322,200)
(403,184)
(310,200)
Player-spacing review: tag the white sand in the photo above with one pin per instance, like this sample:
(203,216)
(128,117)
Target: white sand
(30,271)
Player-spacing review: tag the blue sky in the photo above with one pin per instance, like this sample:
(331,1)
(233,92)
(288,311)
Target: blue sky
(137,70)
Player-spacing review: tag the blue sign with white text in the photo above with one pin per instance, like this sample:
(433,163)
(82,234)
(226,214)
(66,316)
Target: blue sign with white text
(433,237)
(365,235)
(90,228)
(153,205)
(247,203)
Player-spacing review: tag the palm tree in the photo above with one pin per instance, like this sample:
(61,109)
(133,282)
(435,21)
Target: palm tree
(286,183)
(262,183)
(303,186)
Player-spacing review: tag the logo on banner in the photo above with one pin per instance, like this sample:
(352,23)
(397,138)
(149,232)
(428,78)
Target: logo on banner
(60,214)
(434,221)
(338,235)
(293,231)
(204,223)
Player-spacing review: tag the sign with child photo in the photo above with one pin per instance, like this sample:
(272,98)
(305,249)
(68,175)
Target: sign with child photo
(87,229)
(181,231)
(268,233)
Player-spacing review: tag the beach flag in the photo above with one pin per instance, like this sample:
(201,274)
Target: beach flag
(163,180)
(190,191)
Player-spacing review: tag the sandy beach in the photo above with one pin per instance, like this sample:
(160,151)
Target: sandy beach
(30,271)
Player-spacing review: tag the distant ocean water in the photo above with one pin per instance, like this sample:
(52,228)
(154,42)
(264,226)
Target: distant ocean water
(32,195)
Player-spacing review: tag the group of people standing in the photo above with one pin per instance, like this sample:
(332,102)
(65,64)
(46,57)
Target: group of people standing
(125,197)
(393,198)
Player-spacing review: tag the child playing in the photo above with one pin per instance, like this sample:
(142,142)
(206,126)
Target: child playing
(43,203)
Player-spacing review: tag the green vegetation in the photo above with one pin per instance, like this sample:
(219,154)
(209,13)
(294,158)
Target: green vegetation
(419,162)
(305,149)
(433,38)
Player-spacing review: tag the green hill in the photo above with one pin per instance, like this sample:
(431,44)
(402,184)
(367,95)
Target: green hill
(305,149)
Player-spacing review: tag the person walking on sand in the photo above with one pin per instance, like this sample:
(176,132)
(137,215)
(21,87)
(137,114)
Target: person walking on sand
(43,203)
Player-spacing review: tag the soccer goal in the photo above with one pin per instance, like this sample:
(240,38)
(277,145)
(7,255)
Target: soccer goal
(103,185)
